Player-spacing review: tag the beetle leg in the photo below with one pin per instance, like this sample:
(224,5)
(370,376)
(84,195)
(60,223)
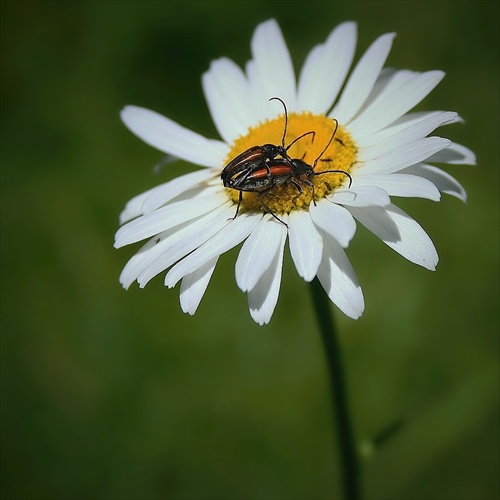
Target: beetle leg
(299,189)
(238,207)
(267,209)
(311,185)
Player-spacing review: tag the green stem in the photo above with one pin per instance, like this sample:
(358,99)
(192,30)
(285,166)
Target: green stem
(345,434)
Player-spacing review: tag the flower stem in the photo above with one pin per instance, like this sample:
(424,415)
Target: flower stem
(345,434)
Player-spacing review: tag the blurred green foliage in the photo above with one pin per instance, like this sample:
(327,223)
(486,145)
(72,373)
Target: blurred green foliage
(113,394)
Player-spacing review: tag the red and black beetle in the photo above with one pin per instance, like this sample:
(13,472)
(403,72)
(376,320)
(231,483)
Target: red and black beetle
(256,157)
(278,171)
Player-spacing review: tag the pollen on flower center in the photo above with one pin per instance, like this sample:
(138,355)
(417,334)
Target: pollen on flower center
(279,190)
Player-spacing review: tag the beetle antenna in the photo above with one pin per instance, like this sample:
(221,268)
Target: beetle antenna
(347,174)
(286,119)
(311,132)
(328,144)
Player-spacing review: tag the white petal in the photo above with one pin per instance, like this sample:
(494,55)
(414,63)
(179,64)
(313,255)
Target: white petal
(389,80)
(169,216)
(410,240)
(155,256)
(405,133)
(306,244)
(133,208)
(273,69)
(260,102)
(166,192)
(361,196)
(170,137)
(362,79)
(339,280)
(334,220)
(180,241)
(262,299)
(263,109)
(441,179)
(404,156)
(377,220)
(149,252)
(226,90)
(456,154)
(405,122)
(258,252)
(401,185)
(230,236)
(157,196)
(389,106)
(325,70)
(193,287)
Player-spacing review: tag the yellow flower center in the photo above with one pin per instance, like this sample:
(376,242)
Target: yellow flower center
(340,155)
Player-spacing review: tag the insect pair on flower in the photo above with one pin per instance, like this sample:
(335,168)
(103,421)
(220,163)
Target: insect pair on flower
(259,169)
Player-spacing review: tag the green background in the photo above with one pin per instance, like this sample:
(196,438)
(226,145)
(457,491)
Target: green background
(112,394)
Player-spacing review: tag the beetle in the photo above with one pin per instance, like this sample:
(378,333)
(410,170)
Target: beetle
(256,157)
(280,171)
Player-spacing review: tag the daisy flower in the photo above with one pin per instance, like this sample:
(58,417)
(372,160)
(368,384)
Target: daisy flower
(379,150)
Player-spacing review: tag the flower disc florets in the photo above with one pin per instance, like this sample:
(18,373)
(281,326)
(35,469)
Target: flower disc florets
(340,155)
